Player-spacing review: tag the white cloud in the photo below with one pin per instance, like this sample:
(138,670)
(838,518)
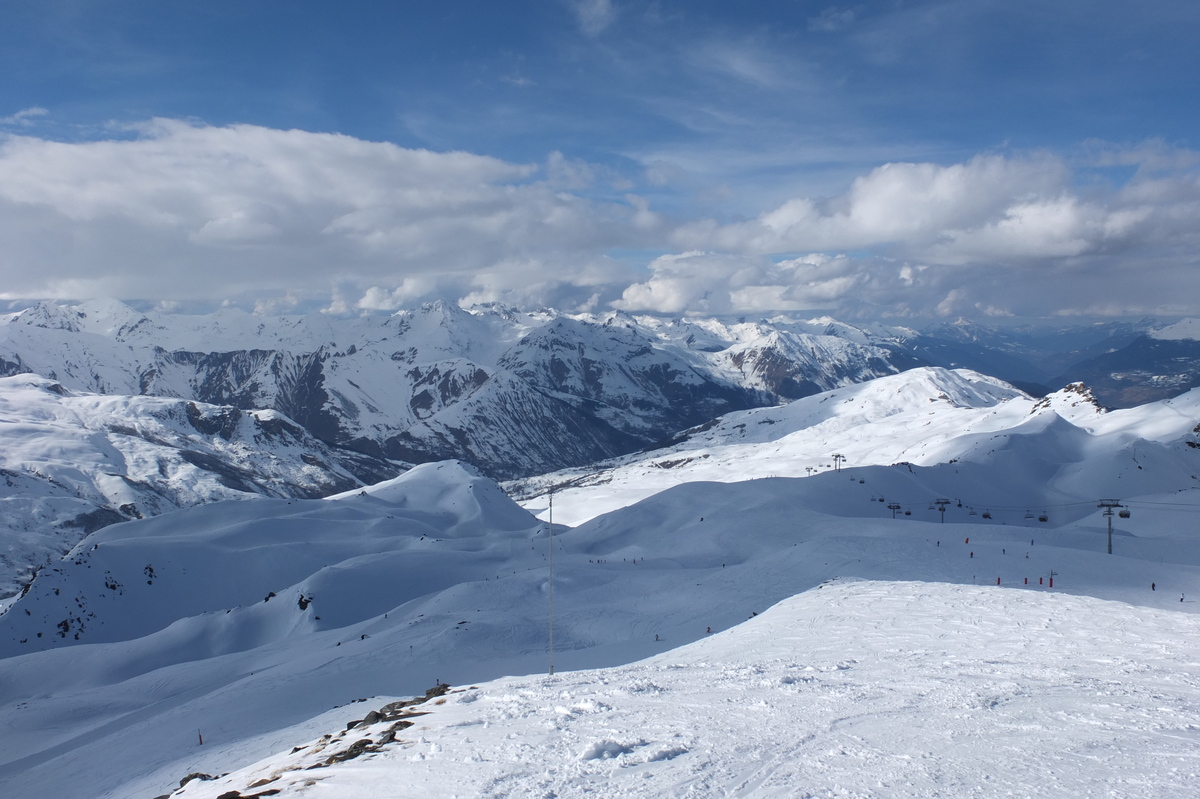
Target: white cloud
(189,212)
(994,236)
(707,282)
(912,205)
(594,15)
(291,219)
(25,117)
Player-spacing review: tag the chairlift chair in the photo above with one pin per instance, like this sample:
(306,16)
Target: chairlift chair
(1123,513)
(987,514)
(1043,518)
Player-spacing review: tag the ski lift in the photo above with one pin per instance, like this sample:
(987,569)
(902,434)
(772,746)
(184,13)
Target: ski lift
(1123,513)
(908,513)
(960,503)
(860,482)
(1043,517)
(972,513)
(931,506)
(1028,515)
(987,514)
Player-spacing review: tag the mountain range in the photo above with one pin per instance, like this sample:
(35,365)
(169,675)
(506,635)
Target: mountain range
(160,410)
(275,625)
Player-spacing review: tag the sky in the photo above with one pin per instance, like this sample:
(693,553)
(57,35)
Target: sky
(893,159)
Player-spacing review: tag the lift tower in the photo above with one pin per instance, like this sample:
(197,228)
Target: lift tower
(1108,505)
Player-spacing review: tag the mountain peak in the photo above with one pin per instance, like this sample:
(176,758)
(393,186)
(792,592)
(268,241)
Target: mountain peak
(51,316)
(1072,401)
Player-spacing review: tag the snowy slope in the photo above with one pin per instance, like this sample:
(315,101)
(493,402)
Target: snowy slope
(73,462)
(923,416)
(1183,329)
(438,576)
(853,689)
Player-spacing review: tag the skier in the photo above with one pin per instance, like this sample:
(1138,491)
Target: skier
(1151,586)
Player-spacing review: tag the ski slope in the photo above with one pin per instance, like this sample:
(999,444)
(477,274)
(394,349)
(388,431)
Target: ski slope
(254,624)
(251,622)
(852,689)
(924,416)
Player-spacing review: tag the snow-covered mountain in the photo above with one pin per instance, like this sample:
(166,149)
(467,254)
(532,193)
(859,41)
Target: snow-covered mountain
(924,416)
(73,462)
(513,393)
(252,625)
(248,622)
(1160,365)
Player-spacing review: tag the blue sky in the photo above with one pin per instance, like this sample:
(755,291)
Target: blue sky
(870,159)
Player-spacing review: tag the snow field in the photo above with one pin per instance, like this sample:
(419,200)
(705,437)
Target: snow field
(438,576)
(859,689)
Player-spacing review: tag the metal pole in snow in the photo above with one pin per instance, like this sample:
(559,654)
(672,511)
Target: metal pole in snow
(1108,505)
(551,537)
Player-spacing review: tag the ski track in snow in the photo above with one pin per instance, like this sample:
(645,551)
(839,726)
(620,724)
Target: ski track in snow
(855,689)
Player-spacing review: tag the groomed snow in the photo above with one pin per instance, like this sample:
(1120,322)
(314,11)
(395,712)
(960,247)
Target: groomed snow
(859,689)
(438,576)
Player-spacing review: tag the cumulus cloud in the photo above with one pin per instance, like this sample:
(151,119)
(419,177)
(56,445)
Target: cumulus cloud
(993,236)
(986,236)
(288,219)
(192,211)
(911,205)
(723,283)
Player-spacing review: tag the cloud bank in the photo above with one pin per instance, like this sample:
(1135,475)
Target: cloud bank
(179,211)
